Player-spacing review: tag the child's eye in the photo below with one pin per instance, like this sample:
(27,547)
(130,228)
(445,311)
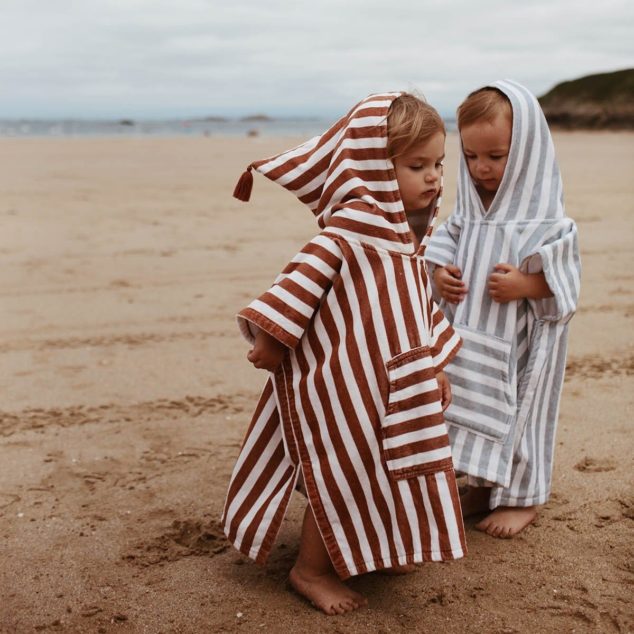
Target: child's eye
(416,168)
(440,164)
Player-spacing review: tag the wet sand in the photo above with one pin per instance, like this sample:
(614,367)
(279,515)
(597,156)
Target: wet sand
(126,393)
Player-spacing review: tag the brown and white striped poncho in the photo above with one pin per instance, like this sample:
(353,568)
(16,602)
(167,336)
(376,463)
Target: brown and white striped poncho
(355,405)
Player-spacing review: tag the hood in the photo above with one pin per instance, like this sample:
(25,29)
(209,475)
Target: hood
(531,188)
(346,179)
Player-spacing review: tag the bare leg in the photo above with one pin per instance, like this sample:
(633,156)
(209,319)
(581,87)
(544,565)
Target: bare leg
(314,577)
(475,500)
(507,521)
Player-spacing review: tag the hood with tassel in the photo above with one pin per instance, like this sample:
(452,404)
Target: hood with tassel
(347,179)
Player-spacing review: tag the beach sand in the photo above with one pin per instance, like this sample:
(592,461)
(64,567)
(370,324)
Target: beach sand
(126,393)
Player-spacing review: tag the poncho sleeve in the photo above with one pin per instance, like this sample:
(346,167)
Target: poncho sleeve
(286,309)
(442,246)
(558,258)
(445,341)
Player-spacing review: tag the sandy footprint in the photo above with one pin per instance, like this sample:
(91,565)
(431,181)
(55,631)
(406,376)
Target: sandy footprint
(595,465)
(184,538)
(596,367)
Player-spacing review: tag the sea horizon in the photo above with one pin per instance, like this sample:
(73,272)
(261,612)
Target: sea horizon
(256,125)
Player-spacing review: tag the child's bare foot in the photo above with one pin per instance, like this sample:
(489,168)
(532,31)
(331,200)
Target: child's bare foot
(314,577)
(405,569)
(507,521)
(326,591)
(475,500)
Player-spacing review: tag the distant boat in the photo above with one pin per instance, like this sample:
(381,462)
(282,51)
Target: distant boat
(126,122)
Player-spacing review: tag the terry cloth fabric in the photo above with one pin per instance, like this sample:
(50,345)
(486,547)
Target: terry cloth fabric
(507,379)
(355,405)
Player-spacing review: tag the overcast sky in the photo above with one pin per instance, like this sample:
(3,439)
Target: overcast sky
(179,58)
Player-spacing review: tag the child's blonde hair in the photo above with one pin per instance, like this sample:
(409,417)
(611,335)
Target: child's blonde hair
(410,120)
(484,104)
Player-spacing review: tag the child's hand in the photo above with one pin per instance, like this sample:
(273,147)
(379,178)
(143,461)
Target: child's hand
(447,280)
(507,283)
(267,352)
(445,390)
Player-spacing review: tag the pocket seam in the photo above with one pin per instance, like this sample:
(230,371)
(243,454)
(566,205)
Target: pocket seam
(430,468)
(402,357)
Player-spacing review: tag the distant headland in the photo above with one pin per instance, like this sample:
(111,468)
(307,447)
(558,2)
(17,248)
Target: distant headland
(257,118)
(603,101)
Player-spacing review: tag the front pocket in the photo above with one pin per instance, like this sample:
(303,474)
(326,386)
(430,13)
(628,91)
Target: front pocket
(482,384)
(414,436)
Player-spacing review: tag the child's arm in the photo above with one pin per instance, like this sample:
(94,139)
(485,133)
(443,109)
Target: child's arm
(286,309)
(267,352)
(448,283)
(445,389)
(508,283)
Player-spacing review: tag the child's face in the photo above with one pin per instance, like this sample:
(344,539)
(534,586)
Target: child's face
(486,147)
(418,172)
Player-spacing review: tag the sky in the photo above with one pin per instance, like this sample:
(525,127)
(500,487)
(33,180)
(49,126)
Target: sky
(190,58)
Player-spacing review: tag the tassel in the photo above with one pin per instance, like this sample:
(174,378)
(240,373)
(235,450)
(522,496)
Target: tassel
(244,186)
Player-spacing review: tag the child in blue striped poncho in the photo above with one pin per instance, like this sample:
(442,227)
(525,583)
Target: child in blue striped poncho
(507,269)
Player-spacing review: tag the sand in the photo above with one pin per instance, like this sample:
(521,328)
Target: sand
(126,392)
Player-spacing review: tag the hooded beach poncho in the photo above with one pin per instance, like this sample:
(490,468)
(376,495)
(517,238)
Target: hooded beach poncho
(355,406)
(507,379)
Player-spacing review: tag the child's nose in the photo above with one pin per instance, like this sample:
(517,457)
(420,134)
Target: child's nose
(482,167)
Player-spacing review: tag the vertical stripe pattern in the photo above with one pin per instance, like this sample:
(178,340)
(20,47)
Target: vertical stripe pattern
(507,378)
(355,405)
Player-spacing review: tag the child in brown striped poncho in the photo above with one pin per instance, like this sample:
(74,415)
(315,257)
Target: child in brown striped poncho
(356,348)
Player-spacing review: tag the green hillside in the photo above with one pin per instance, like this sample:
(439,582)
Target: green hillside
(598,101)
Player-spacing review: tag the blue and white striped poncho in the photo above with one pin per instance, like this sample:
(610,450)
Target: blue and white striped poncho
(507,379)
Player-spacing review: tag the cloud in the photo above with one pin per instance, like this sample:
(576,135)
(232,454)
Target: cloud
(158,58)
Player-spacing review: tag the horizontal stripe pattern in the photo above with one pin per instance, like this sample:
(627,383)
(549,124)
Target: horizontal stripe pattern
(507,379)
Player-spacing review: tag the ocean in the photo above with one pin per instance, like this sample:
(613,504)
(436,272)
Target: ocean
(303,128)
